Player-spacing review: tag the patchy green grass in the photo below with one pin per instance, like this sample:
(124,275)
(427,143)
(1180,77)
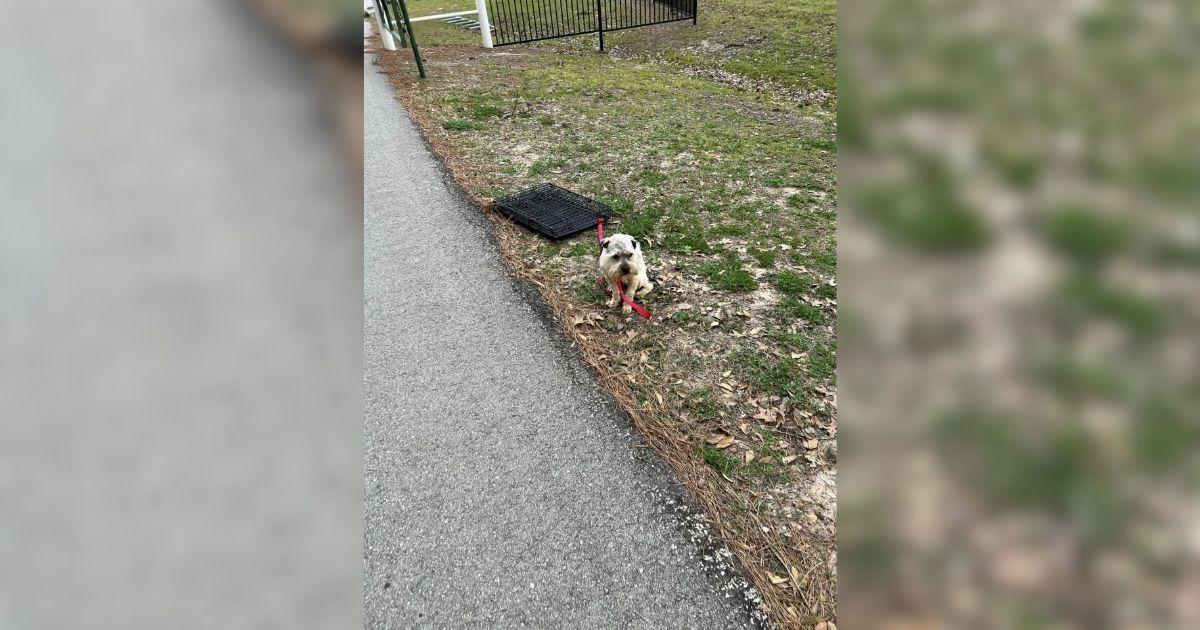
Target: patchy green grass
(727,274)
(687,317)
(793,283)
(588,290)
(1085,235)
(792,307)
(703,405)
(928,214)
(718,460)
(462,125)
(773,376)
(764,258)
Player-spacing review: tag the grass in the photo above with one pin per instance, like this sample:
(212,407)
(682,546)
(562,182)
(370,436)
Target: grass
(769,375)
(461,125)
(764,258)
(588,290)
(791,307)
(714,145)
(1083,234)
(927,214)
(792,283)
(1057,473)
(727,274)
(723,463)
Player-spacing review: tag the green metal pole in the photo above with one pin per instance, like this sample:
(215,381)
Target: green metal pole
(600,23)
(412,40)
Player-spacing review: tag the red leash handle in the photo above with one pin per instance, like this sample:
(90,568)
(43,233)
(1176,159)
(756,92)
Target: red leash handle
(638,308)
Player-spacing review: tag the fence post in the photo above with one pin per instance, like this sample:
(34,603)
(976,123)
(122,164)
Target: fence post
(695,9)
(412,39)
(485,23)
(600,23)
(385,33)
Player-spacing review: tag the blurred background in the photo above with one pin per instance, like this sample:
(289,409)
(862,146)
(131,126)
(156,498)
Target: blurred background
(180,315)
(1019,241)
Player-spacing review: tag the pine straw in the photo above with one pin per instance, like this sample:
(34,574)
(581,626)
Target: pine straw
(733,516)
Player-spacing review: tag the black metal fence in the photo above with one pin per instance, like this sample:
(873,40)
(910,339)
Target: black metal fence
(394,15)
(521,21)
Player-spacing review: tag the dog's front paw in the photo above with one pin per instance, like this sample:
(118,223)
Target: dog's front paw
(625,308)
(646,288)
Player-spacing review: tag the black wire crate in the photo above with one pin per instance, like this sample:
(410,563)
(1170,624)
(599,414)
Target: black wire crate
(553,211)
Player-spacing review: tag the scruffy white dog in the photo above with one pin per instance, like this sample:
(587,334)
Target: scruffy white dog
(621,261)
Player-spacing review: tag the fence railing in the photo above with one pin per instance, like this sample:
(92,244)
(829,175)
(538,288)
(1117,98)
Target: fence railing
(522,21)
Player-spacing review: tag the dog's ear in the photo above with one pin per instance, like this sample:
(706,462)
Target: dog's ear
(604,245)
(635,243)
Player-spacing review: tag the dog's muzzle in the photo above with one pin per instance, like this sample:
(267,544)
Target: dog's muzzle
(624,269)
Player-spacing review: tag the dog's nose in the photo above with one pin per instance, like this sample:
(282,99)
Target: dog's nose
(624,268)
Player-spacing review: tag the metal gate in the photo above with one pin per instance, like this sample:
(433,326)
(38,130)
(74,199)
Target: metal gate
(521,21)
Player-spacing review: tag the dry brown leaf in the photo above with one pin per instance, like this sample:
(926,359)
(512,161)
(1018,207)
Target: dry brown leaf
(789,459)
(766,415)
(825,625)
(744,427)
(749,457)
(714,438)
(810,444)
(659,397)
(775,579)
(725,442)
(727,387)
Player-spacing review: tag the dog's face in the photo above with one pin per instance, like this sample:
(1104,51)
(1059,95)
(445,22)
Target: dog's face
(620,255)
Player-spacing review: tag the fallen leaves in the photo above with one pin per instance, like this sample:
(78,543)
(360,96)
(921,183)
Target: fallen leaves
(721,440)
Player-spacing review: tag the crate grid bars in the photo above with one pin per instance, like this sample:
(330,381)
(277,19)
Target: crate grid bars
(553,211)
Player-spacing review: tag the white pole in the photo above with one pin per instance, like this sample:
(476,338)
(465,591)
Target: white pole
(386,35)
(485,24)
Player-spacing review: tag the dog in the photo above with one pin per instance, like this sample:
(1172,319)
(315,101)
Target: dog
(621,261)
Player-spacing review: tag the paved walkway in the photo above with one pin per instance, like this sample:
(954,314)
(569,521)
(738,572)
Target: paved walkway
(502,488)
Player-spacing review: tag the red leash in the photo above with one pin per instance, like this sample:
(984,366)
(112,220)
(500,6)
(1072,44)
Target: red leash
(638,308)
